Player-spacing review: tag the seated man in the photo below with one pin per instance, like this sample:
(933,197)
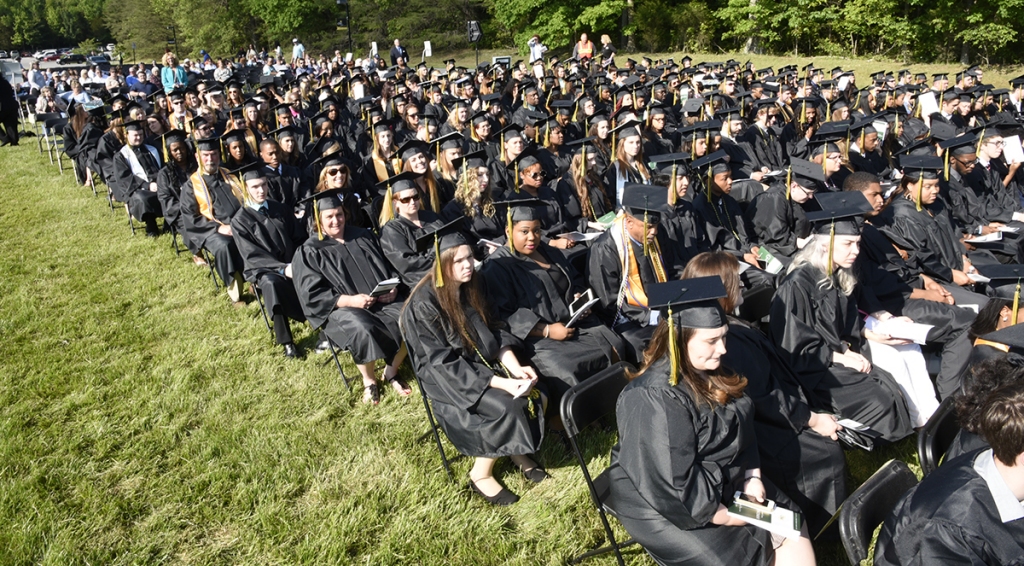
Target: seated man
(267,235)
(777,215)
(285,183)
(969,510)
(209,200)
(136,167)
(628,257)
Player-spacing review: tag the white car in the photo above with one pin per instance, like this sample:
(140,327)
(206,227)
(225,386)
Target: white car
(110,47)
(3,54)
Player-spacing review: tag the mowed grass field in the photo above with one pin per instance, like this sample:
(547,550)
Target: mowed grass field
(143,420)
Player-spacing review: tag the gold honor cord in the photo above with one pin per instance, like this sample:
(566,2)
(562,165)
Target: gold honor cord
(316,219)
(672,196)
(647,245)
(508,222)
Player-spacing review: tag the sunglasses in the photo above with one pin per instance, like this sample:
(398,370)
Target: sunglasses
(408,199)
(333,172)
(535,176)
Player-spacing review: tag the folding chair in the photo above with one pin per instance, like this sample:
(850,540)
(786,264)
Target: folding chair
(937,435)
(870,505)
(131,221)
(41,120)
(337,363)
(210,263)
(174,240)
(263,307)
(56,128)
(584,404)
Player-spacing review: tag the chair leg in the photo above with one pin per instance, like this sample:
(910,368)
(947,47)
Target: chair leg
(110,199)
(91,182)
(595,498)
(263,306)
(337,362)
(131,222)
(437,436)
(60,162)
(210,263)
(174,241)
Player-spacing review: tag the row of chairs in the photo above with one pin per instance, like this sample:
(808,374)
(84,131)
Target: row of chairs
(593,401)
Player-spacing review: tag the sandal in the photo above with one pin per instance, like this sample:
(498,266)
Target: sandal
(400,386)
(371,394)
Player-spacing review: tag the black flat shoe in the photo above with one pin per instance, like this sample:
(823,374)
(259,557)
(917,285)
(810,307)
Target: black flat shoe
(536,474)
(502,498)
(371,394)
(290,350)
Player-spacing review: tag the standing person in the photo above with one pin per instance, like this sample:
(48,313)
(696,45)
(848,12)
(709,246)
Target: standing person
(537,49)
(173,75)
(8,113)
(398,52)
(607,51)
(583,50)
(298,51)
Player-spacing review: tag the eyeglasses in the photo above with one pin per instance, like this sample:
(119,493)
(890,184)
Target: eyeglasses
(535,176)
(408,199)
(417,116)
(333,172)
(997,143)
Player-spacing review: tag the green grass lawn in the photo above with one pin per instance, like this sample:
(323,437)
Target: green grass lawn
(145,420)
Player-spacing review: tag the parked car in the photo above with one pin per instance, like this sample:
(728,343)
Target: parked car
(51,57)
(3,54)
(98,60)
(72,59)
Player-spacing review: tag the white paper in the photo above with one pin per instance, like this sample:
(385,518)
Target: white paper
(1012,150)
(385,287)
(348,57)
(993,237)
(579,236)
(843,82)
(596,226)
(978,278)
(426,49)
(1011,229)
(373,48)
(928,104)
(880,126)
(900,329)
(851,424)
(489,243)
(655,316)
(974,308)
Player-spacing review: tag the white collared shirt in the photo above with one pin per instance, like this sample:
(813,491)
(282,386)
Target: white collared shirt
(1010,508)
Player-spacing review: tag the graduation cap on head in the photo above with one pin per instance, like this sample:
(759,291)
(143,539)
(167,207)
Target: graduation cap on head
(411,148)
(917,168)
(476,160)
(673,165)
(646,202)
(330,199)
(400,182)
(1012,337)
(628,129)
(520,210)
(965,144)
(248,172)
(135,126)
(285,132)
(1005,282)
(172,136)
(709,166)
(806,173)
(689,303)
(441,239)
(841,214)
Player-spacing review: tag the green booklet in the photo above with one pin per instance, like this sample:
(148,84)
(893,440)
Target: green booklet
(769,517)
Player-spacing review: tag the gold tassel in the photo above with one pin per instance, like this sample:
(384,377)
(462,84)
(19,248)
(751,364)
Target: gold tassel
(672,187)
(945,164)
(647,245)
(831,245)
(508,223)
(789,180)
(517,178)
(387,211)
(1016,302)
(920,189)
(316,219)
(977,148)
(673,351)
(583,164)
(438,273)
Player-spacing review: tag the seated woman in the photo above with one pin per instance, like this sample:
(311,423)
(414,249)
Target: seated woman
(416,160)
(580,189)
(531,285)
(484,399)
(998,313)
(334,274)
(798,447)
(687,443)
(402,221)
(181,164)
(474,201)
(815,322)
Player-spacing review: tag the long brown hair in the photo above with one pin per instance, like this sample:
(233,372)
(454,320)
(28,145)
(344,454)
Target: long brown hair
(582,184)
(454,298)
(722,264)
(716,387)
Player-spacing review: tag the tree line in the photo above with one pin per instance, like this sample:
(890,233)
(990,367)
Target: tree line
(976,31)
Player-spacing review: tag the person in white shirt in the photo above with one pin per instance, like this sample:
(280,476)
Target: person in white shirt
(298,51)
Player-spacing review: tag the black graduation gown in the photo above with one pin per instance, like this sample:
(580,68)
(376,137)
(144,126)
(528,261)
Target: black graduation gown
(570,201)
(605,275)
(286,186)
(809,323)
(965,206)
(777,222)
(686,229)
(675,462)
(132,189)
(398,242)
(524,294)
(765,146)
(724,223)
(478,227)
(551,214)
(616,174)
(479,420)
(203,231)
(168,190)
(950,518)
(82,148)
(267,241)
(808,467)
(928,236)
(323,270)
(554,162)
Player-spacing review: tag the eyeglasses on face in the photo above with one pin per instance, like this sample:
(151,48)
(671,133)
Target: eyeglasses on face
(535,176)
(337,171)
(408,199)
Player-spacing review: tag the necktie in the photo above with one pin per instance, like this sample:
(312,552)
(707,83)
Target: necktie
(263,209)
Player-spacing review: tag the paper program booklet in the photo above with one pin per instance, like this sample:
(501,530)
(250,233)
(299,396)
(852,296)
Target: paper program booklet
(767,516)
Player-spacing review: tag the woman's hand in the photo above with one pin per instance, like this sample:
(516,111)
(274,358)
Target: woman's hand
(825,425)
(852,360)
(960,278)
(722,518)
(754,487)
(389,297)
(362,301)
(561,243)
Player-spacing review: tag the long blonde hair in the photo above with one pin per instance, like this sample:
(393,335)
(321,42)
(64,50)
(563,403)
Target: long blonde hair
(468,190)
(816,254)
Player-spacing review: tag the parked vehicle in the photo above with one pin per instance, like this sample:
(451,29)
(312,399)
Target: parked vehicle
(72,59)
(98,60)
(3,54)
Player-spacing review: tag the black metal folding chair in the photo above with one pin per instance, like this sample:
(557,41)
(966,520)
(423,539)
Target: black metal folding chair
(937,435)
(584,404)
(870,505)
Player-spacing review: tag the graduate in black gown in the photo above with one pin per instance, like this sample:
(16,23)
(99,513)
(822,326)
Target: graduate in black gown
(683,226)
(777,215)
(581,190)
(209,200)
(402,220)
(286,183)
(631,255)
(687,443)
(485,400)
(180,163)
(335,272)
(136,167)
(968,511)
(267,235)
(531,285)
(474,203)
(798,446)
(983,379)
(815,322)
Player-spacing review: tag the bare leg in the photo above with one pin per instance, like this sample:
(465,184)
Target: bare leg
(481,476)
(796,552)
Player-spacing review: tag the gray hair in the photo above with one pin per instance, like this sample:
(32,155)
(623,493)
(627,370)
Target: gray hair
(816,254)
